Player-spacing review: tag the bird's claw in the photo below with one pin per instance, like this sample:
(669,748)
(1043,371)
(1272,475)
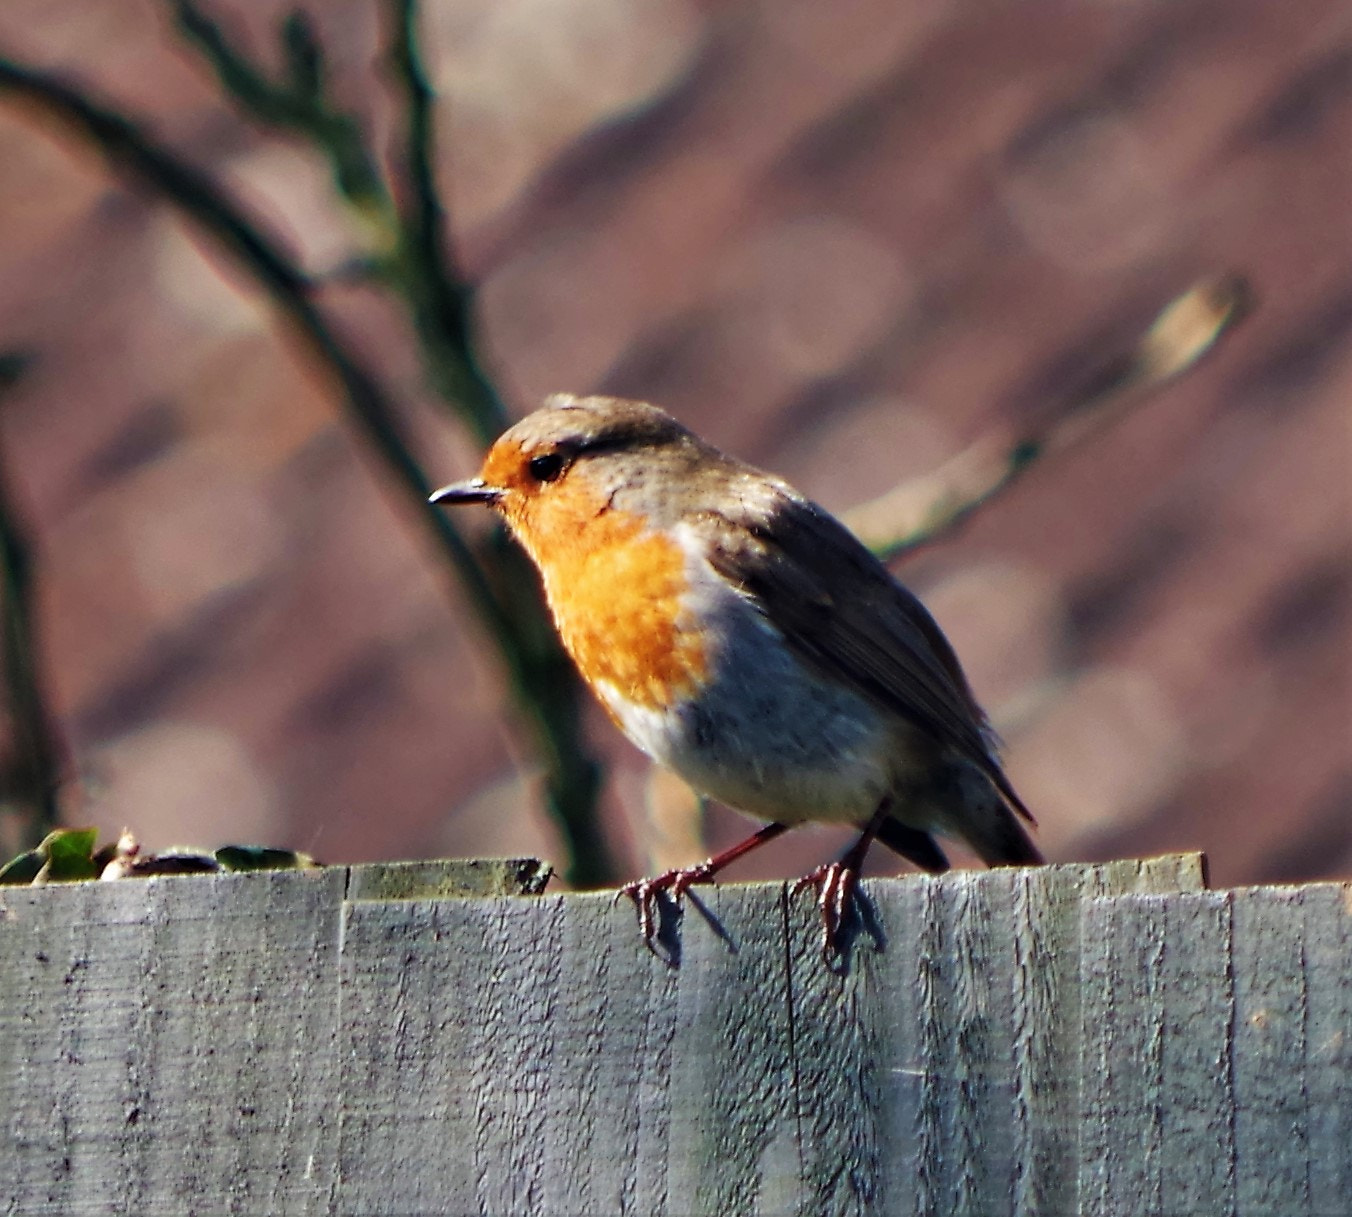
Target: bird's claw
(835,884)
(644,894)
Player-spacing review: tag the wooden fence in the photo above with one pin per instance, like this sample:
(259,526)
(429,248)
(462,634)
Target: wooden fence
(1076,1039)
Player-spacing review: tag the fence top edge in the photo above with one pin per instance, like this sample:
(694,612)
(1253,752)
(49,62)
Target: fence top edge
(1160,878)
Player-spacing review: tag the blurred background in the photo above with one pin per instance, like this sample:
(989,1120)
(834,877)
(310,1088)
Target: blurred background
(843,241)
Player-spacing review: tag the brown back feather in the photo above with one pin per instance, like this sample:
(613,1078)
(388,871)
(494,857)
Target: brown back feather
(795,560)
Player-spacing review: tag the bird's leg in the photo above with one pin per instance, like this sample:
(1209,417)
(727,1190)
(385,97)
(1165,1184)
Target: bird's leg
(836,882)
(644,892)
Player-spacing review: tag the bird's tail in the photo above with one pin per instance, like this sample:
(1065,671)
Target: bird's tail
(1000,840)
(913,845)
(989,820)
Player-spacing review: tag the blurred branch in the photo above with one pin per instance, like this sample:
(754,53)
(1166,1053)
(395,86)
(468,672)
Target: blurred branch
(925,509)
(33,770)
(299,104)
(548,700)
(416,262)
(440,302)
(440,298)
(414,256)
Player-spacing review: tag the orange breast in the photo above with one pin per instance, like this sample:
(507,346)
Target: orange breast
(616,590)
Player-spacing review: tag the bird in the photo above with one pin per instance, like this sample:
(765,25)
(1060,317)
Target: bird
(743,637)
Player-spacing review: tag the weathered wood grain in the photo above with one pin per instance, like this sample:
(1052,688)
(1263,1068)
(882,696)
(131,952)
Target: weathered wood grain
(1292,972)
(1325,928)
(170,1044)
(939,1074)
(548,1063)
(1215,1066)
(1094,1040)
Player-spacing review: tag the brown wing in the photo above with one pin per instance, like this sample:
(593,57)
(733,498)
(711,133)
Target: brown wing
(795,559)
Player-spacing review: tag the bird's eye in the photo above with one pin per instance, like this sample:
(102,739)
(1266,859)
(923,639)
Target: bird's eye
(545,467)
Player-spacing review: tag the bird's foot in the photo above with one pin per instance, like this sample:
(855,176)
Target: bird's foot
(835,884)
(675,883)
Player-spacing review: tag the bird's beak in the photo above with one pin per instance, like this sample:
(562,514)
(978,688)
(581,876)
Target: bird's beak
(475,490)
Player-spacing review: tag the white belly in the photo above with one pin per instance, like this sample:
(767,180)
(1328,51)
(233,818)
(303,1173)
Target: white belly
(763,735)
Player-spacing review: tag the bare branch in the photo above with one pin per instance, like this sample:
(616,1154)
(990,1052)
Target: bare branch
(925,509)
(545,687)
(300,104)
(440,298)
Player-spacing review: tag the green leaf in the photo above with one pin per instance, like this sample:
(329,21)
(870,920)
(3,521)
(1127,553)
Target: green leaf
(70,855)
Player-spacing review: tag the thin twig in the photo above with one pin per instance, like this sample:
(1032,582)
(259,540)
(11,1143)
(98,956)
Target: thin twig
(415,259)
(299,103)
(34,768)
(440,298)
(926,509)
(441,304)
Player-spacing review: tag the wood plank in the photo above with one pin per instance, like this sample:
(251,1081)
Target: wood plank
(1046,974)
(507,1057)
(1217,1053)
(1293,977)
(580,1073)
(1271,1079)
(1198,1054)
(1157,1017)
(173,1044)
(1327,950)
(259,1043)
(934,1073)
(169,1042)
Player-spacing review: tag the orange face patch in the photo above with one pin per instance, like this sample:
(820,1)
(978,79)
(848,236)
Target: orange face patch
(505,467)
(614,587)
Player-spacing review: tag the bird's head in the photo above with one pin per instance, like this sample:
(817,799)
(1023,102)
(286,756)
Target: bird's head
(569,462)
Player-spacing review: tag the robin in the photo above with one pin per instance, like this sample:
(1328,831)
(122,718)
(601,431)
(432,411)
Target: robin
(741,636)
